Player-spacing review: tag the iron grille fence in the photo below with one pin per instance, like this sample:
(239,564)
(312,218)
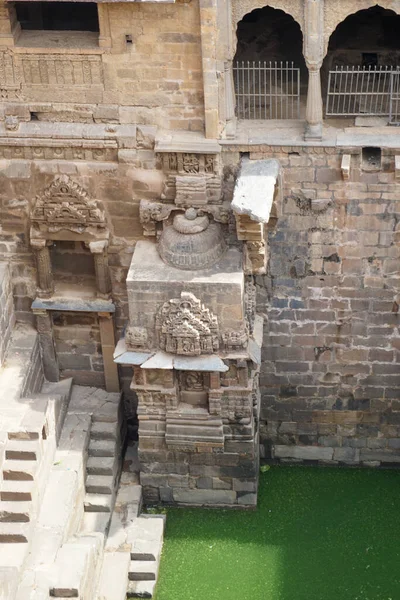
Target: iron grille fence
(394,115)
(354,91)
(266,90)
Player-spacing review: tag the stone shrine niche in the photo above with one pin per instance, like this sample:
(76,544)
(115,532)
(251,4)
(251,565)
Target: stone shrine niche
(64,212)
(184,326)
(193,388)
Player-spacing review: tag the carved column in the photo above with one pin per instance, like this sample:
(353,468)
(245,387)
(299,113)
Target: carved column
(313,54)
(314,111)
(43,264)
(99,251)
(44,327)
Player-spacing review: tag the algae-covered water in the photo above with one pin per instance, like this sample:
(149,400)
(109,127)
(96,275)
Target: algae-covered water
(318,534)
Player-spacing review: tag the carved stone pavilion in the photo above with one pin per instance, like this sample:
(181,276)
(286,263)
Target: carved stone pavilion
(194,339)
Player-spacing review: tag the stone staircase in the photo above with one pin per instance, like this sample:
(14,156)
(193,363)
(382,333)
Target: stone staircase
(69,519)
(103,466)
(133,548)
(68,540)
(147,535)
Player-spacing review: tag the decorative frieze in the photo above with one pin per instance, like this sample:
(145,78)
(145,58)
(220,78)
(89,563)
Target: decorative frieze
(189,163)
(32,152)
(18,69)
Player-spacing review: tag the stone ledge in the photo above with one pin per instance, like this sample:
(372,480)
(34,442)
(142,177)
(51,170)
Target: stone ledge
(73,305)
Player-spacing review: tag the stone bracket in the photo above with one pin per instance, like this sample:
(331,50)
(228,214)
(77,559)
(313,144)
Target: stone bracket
(345,166)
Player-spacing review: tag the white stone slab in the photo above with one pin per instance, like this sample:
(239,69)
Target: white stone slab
(200,363)
(161,360)
(255,189)
(128,357)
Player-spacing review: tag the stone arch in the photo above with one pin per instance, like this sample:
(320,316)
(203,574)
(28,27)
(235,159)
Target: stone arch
(293,8)
(335,13)
(370,31)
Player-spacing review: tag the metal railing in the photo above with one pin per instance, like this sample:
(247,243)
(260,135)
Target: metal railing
(394,114)
(354,91)
(266,90)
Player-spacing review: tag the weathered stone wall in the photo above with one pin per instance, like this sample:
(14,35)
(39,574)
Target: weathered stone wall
(155,79)
(330,378)
(7,316)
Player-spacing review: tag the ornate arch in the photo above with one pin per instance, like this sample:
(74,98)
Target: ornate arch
(293,8)
(337,11)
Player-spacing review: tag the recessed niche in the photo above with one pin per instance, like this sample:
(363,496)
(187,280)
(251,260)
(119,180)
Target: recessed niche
(371,159)
(73,269)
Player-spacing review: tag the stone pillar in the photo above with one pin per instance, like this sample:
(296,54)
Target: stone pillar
(230,100)
(43,264)
(99,251)
(107,337)
(314,111)
(104,26)
(208,29)
(313,54)
(9,25)
(44,326)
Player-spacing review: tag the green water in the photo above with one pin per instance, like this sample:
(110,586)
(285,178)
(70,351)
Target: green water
(318,534)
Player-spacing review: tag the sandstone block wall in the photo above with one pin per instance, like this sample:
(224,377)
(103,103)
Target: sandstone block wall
(154,78)
(330,377)
(7,315)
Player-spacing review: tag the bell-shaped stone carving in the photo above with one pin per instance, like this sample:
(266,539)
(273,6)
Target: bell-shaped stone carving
(191,242)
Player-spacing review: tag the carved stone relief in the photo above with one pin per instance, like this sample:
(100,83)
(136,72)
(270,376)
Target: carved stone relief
(250,304)
(189,163)
(184,326)
(235,339)
(64,204)
(152,213)
(136,337)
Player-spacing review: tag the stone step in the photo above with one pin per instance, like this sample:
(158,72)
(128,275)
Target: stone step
(17,491)
(14,533)
(113,576)
(101,465)
(102,447)
(146,550)
(97,503)
(104,431)
(12,555)
(15,512)
(143,570)
(140,589)
(147,530)
(99,484)
(23,435)
(19,470)
(76,567)
(23,450)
